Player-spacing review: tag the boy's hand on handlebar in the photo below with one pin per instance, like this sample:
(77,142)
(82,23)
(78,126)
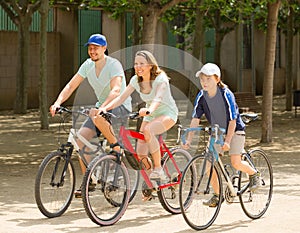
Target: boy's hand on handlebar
(187,145)
(226,146)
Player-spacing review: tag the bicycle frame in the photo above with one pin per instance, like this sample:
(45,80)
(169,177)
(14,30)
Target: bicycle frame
(125,143)
(217,138)
(72,144)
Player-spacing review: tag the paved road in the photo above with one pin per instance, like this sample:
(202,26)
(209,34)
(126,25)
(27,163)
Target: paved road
(22,147)
(22,215)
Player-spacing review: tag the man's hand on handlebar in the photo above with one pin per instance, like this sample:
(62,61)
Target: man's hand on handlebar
(53,108)
(94,112)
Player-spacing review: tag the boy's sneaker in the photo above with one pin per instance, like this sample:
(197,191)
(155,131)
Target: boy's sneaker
(213,201)
(254,181)
(158,174)
(78,194)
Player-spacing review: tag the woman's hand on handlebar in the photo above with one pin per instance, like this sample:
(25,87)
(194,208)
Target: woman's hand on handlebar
(144,112)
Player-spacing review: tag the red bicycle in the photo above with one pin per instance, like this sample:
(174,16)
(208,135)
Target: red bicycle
(108,201)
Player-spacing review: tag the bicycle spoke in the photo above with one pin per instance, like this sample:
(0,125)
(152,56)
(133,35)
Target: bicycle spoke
(106,202)
(54,186)
(196,187)
(256,203)
(169,196)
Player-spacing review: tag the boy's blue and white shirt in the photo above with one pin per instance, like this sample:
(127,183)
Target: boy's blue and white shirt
(231,109)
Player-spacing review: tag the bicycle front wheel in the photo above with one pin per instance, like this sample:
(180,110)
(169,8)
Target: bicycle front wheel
(256,203)
(134,176)
(197,189)
(54,185)
(105,190)
(169,196)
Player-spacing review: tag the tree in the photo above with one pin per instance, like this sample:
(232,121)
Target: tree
(20,12)
(43,103)
(267,103)
(150,11)
(289,24)
(221,15)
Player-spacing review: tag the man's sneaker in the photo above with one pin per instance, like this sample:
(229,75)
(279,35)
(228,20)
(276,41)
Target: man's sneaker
(254,181)
(213,201)
(77,193)
(158,174)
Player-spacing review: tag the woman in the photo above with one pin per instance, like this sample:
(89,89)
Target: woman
(160,112)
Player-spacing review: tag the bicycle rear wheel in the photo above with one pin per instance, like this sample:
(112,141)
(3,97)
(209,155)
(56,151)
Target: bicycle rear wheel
(169,197)
(53,190)
(197,189)
(255,204)
(107,201)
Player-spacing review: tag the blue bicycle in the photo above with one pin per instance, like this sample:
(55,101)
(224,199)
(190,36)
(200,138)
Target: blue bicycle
(196,187)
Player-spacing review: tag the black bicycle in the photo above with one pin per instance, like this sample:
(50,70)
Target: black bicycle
(55,180)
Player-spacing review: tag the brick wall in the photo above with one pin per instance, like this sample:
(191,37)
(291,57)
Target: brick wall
(8,64)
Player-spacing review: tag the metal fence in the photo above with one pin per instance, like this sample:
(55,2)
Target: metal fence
(6,24)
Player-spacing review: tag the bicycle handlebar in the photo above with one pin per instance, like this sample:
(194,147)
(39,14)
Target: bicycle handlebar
(214,131)
(246,117)
(132,116)
(83,111)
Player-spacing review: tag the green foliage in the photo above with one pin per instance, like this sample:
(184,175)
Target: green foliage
(284,13)
(115,7)
(221,15)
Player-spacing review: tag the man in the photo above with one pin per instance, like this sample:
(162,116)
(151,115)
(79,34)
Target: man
(106,76)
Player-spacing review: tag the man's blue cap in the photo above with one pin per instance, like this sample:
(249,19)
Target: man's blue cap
(97,39)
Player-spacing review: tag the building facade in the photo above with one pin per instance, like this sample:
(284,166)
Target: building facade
(70,28)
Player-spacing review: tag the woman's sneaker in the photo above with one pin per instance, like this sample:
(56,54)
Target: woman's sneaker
(158,174)
(213,201)
(254,181)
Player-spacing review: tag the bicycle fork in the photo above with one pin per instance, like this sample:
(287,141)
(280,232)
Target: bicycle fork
(67,149)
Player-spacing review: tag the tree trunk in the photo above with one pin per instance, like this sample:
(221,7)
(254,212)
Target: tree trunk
(43,104)
(218,39)
(267,102)
(217,53)
(22,65)
(198,46)
(289,58)
(20,12)
(136,28)
(150,19)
